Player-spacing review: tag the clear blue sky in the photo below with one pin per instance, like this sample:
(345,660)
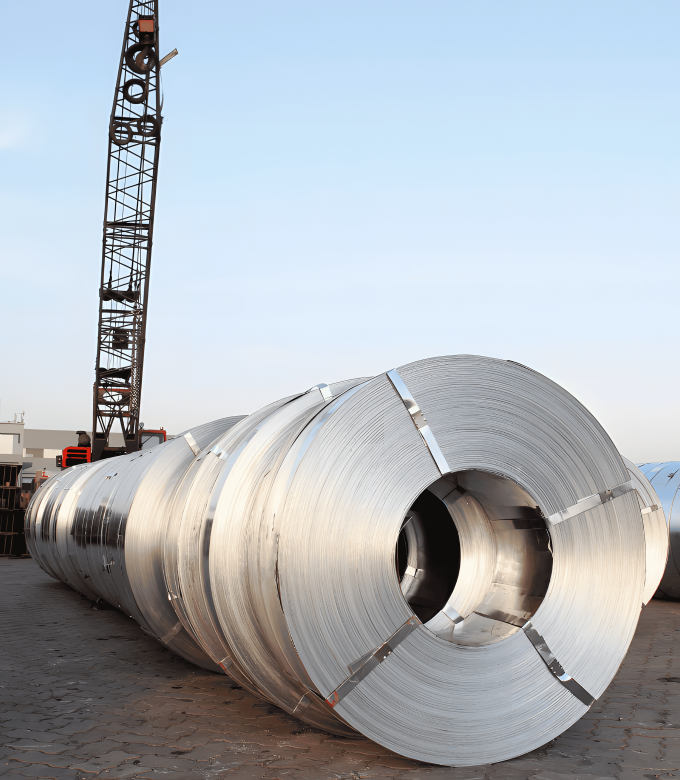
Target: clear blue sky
(349,186)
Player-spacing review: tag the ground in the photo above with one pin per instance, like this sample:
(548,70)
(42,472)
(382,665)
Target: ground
(87,694)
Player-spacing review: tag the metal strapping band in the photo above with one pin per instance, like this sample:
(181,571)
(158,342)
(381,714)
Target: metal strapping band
(452,614)
(192,443)
(499,614)
(518,524)
(325,391)
(172,632)
(304,702)
(590,502)
(555,667)
(360,661)
(150,633)
(419,420)
(371,661)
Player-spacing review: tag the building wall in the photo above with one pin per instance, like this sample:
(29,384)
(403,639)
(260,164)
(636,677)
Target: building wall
(12,442)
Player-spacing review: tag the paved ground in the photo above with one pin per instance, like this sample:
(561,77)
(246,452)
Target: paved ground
(86,694)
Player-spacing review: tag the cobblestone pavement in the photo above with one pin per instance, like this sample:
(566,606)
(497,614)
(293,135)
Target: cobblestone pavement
(87,694)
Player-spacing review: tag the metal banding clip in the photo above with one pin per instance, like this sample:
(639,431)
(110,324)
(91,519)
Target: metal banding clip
(419,420)
(192,443)
(590,502)
(172,632)
(325,391)
(555,667)
(541,647)
(363,666)
(498,614)
(304,702)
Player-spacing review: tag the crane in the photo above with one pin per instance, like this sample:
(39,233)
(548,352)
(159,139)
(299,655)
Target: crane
(131,180)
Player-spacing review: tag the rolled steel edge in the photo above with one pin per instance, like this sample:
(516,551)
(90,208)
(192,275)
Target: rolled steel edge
(664,479)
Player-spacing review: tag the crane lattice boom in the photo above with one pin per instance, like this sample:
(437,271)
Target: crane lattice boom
(134,143)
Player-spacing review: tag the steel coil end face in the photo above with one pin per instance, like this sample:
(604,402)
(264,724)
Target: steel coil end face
(437,483)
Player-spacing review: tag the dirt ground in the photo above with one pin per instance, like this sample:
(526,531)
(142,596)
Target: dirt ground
(87,694)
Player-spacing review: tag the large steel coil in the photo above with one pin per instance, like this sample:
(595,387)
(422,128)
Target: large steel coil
(664,479)
(449,557)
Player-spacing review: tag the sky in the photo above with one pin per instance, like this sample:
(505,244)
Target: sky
(346,187)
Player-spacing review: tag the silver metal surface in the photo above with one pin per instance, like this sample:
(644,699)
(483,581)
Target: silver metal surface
(284,549)
(664,479)
(100,529)
(656,531)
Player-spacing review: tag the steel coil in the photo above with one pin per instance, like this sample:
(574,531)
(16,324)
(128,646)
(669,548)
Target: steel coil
(664,480)
(449,558)
(99,528)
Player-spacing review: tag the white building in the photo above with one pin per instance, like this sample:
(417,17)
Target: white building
(12,442)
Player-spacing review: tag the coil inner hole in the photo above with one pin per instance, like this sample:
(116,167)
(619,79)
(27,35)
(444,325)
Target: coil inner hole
(428,556)
(473,557)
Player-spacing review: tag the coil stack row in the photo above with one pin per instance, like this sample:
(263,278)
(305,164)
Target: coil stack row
(450,558)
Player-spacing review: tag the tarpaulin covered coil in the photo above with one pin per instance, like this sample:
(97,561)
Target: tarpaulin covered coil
(449,557)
